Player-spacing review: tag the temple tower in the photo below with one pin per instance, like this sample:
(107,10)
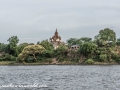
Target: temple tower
(55,40)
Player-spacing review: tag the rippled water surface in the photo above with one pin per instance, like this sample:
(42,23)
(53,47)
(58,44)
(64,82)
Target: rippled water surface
(61,77)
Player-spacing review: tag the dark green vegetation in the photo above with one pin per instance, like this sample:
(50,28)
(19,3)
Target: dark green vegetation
(105,48)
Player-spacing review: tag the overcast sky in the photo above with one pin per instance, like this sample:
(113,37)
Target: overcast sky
(36,20)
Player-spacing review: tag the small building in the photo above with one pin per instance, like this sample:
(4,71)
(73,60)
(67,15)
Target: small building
(75,47)
(56,40)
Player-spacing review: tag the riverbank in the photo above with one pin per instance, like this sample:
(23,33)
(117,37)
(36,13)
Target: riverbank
(14,63)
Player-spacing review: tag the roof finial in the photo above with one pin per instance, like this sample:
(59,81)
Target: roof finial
(56,29)
(56,32)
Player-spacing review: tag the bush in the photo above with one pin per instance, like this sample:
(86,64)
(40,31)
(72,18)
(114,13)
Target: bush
(61,59)
(89,61)
(49,60)
(118,60)
(75,60)
(13,58)
(115,56)
(7,57)
(103,57)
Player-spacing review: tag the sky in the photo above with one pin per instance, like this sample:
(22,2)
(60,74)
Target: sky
(37,20)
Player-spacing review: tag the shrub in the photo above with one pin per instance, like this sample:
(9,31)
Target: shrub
(8,57)
(13,58)
(75,60)
(115,56)
(118,60)
(89,61)
(103,57)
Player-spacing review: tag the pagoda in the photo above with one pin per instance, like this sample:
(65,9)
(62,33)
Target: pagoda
(55,40)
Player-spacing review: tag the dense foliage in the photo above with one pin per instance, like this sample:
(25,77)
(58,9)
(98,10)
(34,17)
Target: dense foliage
(30,52)
(88,49)
(106,41)
(12,46)
(104,48)
(46,45)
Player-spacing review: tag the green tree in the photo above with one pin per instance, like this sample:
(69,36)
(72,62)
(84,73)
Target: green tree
(88,49)
(3,47)
(46,45)
(21,46)
(75,41)
(61,52)
(106,40)
(12,46)
(72,41)
(105,36)
(86,39)
(31,51)
(118,42)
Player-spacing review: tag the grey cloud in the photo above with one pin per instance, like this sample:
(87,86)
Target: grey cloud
(39,18)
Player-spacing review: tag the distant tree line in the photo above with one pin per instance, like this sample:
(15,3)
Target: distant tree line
(104,48)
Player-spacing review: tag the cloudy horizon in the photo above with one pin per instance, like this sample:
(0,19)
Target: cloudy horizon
(37,20)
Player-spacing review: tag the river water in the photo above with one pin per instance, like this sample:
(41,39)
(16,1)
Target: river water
(60,77)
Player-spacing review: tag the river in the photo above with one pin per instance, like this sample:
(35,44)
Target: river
(60,77)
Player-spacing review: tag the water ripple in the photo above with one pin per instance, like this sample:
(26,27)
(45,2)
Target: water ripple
(62,77)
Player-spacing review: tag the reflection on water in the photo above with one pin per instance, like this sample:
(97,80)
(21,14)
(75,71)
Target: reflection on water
(61,77)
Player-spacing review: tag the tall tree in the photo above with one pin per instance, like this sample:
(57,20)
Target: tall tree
(105,36)
(106,40)
(12,46)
